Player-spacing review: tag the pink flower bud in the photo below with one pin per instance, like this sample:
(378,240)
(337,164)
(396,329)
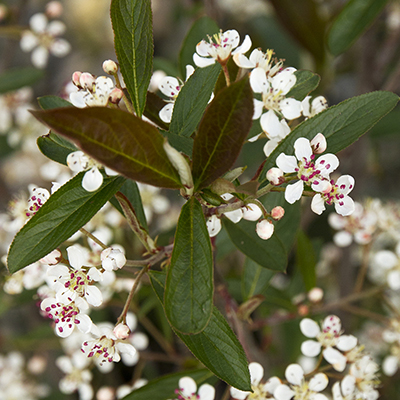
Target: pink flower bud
(116,95)
(265,229)
(87,80)
(121,331)
(54,9)
(110,67)
(275,176)
(315,295)
(318,144)
(76,76)
(277,213)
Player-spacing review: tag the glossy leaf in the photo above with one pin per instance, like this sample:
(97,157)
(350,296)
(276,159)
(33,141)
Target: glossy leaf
(55,147)
(270,254)
(255,279)
(342,124)
(306,260)
(354,19)
(306,82)
(189,287)
(49,102)
(181,143)
(164,388)
(117,139)
(65,212)
(193,99)
(154,104)
(18,78)
(216,346)
(201,28)
(222,131)
(133,39)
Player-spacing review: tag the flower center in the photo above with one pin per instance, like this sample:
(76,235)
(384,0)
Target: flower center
(102,348)
(77,282)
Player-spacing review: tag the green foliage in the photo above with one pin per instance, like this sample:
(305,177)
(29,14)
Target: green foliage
(119,140)
(342,124)
(189,287)
(17,78)
(154,104)
(306,82)
(65,212)
(354,19)
(193,99)
(216,346)
(255,279)
(50,102)
(133,39)
(55,147)
(306,260)
(221,134)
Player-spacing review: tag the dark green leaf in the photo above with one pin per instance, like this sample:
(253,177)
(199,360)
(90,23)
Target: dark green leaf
(133,39)
(354,19)
(201,28)
(255,279)
(165,65)
(154,104)
(342,124)
(17,78)
(66,211)
(306,82)
(117,139)
(306,260)
(49,102)
(130,190)
(193,99)
(233,70)
(270,253)
(388,126)
(216,346)
(181,143)
(55,147)
(189,288)
(222,131)
(164,388)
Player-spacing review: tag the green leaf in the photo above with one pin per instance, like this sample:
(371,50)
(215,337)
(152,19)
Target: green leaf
(55,147)
(66,211)
(306,82)
(222,131)
(117,139)
(193,99)
(270,254)
(189,288)
(306,260)
(216,346)
(342,124)
(181,143)
(17,78)
(255,279)
(164,388)
(131,191)
(354,19)
(49,102)
(201,28)
(154,104)
(133,39)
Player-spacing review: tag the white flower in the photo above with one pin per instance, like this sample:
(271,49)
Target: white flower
(43,39)
(299,388)
(39,196)
(219,48)
(112,259)
(258,59)
(318,105)
(364,371)
(309,171)
(188,388)
(265,229)
(337,195)
(329,337)
(213,225)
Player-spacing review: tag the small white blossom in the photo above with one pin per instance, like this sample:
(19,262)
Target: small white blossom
(265,229)
(188,388)
(112,259)
(213,225)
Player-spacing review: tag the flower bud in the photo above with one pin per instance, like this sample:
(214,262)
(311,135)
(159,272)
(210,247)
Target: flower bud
(105,393)
(110,67)
(318,144)
(265,229)
(87,81)
(116,95)
(251,212)
(303,310)
(36,365)
(315,295)
(277,213)
(213,225)
(112,259)
(121,331)
(54,9)
(275,176)
(76,76)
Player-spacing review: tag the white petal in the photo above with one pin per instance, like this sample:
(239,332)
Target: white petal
(309,328)
(251,212)
(231,37)
(38,22)
(206,392)
(56,28)
(345,206)
(203,48)
(39,57)
(93,295)
(78,99)
(242,61)
(170,86)
(166,113)
(271,384)
(235,215)
(283,392)
(92,180)
(310,348)
(28,41)
(188,386)
(203,62)
(336,358)
(283,82)
(256,373)
(60,48)
(294,191)
(302,149)
(244,47)
(346,342)
(258,108)
(238,394)
(327,164)
(305,106)
(258,81)
(318,204)
(290,108)
(286,163)
(319,396)
(385,259)
(75,257)
(84,323)
(393,280)
(348,385)
(139,340)
(343,238)
(126,348)
(345,184)
(270,146)
(265,229)
(271,125)
(64,329)
(294,374)
(318,382)
(390,365)
(332,323)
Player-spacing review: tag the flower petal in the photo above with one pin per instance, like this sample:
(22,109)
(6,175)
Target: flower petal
(346,342)
(336,358)
(92,180)
(206,392)
(310,348)
(290,108)
(294,191)
(256,373)
(318,382)
(294,374)
(309,328)
(302,149)
(188,386)
(283,392)
(318,204)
